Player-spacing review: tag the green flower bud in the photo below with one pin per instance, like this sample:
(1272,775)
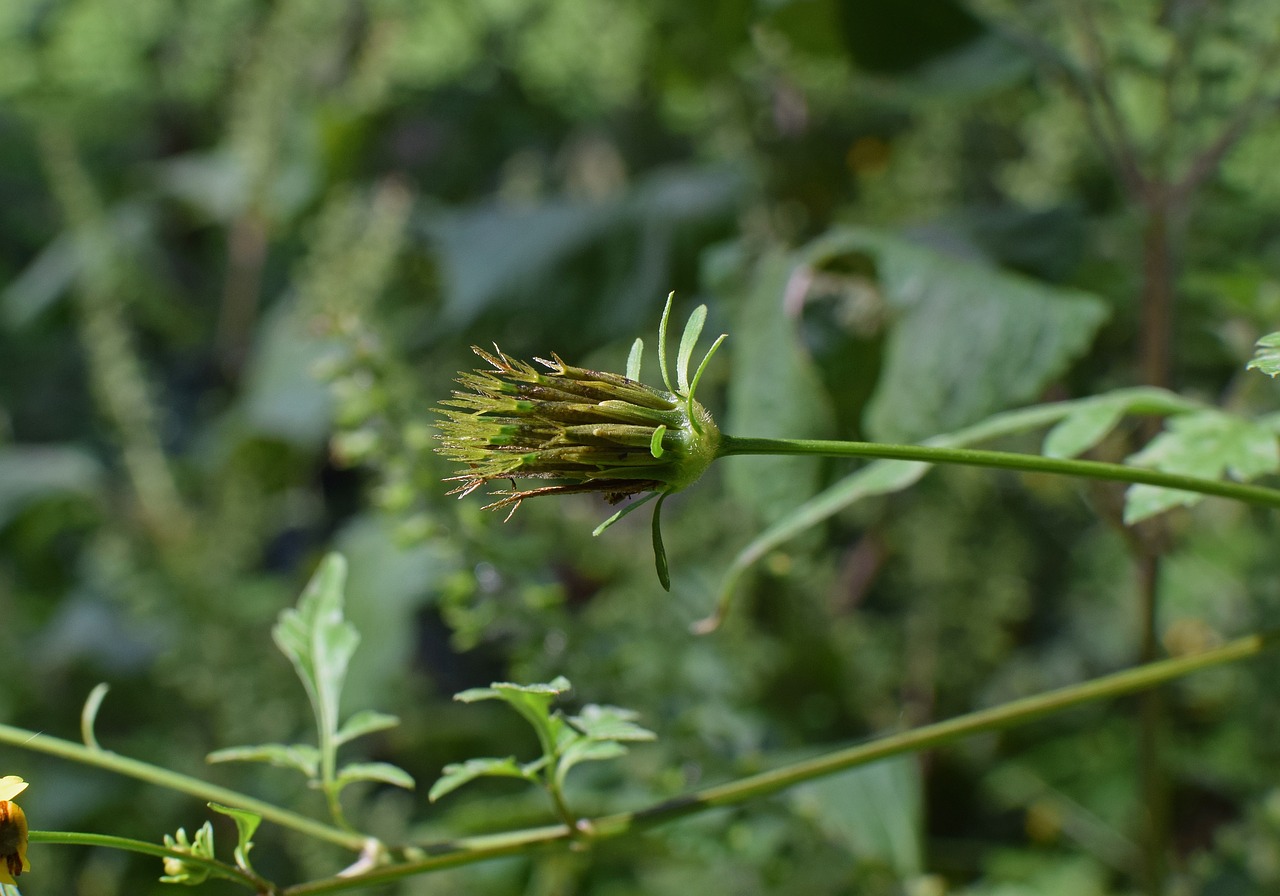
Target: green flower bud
(588,430)
(580,430)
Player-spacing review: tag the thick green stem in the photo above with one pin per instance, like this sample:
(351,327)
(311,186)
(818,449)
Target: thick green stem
(161,777)
(477,849)
(1007,460)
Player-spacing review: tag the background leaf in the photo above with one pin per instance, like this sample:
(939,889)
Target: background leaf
(318,640)
(1206,443)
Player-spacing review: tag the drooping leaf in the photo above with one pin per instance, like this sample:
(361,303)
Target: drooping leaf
(89,714)
(457,774)
(303,757)
(380,772)
(246,825)
(1207,443)
(318,640)
(364,722)
(1091,419)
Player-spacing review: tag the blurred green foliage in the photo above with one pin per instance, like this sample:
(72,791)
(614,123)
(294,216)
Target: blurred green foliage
(245,245)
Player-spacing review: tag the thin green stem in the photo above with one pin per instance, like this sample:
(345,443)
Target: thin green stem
(467,850)
(161,777)
(1008,460)
(219,869)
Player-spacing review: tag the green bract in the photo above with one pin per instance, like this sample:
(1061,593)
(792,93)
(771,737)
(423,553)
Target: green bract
(582,430)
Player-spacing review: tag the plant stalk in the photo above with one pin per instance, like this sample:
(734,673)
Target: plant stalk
(162,777)
(465,851)
(1007,460)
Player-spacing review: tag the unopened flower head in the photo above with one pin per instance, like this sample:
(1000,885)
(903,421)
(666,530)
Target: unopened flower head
(13,830)
(580,430)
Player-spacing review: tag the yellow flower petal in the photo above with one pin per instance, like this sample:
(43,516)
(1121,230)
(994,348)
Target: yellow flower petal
(11,786)
(13,842)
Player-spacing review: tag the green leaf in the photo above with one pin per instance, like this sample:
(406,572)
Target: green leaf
(776,392)
(1091,419)
(634,359)
(689,341)
(457,774)
(891,834)
(584,750)
(89,714)
(1208,444)
(246,825)
(1267,356)
(381,772)
(303,757)
(967,339)
(1082,429)
(659,549)
(610,723)
(364,722)
(319,641)
(500,690)
(884,477)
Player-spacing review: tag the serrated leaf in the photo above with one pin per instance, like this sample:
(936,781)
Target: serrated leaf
(457,774)
(381,772)
(1267,356)
(610,723)
(319,641)
(303,757)
(364,722)
(1207,444)
(246,825)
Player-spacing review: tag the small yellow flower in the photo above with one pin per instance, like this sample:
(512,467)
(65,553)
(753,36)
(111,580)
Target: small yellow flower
(13,830)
